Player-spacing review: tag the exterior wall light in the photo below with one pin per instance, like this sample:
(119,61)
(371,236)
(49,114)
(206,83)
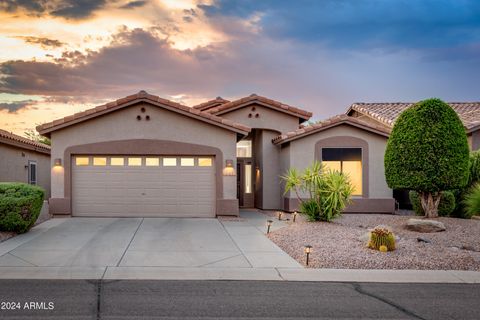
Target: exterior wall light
(294,214)
(57,162)
(307,249)
(228,170)
(269,224)
(279,215)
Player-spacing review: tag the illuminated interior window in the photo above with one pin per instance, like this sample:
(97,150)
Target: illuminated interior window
(187,162)
(117,161)
(248,178)
(169,162)
(99,161)
(348,161)
(82,161)
(134,162)
(152,162)
(204,162)
(244,149)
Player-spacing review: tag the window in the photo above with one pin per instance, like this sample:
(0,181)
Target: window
(348,161)
(244,149)
(204,162)
(187,162)
(134,162)
(32,172)
(99,161)
(117,161)
(169,162)
(248,178)
(82,161)
(152,162)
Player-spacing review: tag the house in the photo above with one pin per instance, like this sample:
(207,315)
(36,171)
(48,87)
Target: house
(147,156)
(24,160)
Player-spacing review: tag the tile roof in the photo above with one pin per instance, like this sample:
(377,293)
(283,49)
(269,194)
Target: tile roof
(232,105)
(22,142)
(210,104)
(387,113)
(331,122)
(141,96)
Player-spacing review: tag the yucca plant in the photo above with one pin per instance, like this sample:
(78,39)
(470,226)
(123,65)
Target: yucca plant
(471,201)
(335,192)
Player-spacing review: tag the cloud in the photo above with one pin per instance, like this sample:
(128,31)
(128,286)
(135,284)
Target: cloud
(13,107)
(43,42)
(134,4)
(69,9)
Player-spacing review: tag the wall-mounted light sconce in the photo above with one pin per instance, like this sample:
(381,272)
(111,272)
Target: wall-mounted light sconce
(228,170)
(57,162)
(257,171)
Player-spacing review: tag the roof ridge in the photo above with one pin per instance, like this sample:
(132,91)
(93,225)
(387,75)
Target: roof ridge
(210,103)
(15,137)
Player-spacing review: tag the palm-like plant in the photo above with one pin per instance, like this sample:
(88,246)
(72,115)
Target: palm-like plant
(335,192)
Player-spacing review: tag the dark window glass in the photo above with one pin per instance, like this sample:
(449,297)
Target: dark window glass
(341,154)
(32,172)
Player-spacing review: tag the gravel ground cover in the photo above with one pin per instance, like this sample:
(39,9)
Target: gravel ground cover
(339,244)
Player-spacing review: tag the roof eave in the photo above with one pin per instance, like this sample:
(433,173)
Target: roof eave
(246,103)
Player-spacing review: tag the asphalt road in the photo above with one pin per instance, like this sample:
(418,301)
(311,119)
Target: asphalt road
(235,299)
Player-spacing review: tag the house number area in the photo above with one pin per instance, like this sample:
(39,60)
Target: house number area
(27,305)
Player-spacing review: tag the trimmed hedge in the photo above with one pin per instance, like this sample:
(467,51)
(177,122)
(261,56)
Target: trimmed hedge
(20,206)
(445,207)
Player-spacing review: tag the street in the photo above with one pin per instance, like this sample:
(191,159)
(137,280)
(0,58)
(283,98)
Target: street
(116,299)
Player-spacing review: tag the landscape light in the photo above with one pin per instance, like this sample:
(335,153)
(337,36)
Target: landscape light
(307,249)
(279,213)
(294,215)
(269,224)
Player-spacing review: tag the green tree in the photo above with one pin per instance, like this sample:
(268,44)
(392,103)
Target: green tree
(427,152)
(34,136)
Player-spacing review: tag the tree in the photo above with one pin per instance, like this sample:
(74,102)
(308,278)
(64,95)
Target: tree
(32,135)
(427,152)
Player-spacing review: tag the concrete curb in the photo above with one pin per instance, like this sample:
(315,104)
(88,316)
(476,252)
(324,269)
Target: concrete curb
(268,274)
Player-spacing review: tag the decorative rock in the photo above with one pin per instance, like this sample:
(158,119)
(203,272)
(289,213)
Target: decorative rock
(364,237)
(420,239)
(425,226)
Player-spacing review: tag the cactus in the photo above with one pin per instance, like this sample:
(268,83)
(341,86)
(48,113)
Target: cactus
(381,236)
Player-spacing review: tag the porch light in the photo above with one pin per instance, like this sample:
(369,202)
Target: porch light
(294,214)
(228,170)
(57,162)
(307,249)
(269,224)
(279,215)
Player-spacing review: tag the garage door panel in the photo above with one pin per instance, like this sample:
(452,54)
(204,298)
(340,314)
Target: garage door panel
(154,190)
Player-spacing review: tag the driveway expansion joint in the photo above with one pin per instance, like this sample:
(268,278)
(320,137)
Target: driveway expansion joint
(131,240)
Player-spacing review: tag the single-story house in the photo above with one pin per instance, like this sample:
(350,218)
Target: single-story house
(24,160)
(147,156)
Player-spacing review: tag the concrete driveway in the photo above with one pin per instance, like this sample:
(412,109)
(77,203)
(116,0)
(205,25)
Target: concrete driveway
(147,242)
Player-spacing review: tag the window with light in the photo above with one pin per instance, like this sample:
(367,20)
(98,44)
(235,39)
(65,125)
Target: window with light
(348,161)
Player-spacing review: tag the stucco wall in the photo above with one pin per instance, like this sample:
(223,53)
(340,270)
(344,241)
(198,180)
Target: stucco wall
(267,118)
(163,125)
(12,166)
(271,196)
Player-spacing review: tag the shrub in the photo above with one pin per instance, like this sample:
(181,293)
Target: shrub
(473,178)
(20,205)
(427,152)
(310,209)
(445,207)
(335,192)
(472,202)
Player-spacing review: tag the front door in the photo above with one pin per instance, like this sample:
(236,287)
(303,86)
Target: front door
(245,193)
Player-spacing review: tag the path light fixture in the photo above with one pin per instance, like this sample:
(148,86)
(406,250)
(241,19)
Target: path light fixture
(307,249)
(279,215)
(269,224)
(294,214)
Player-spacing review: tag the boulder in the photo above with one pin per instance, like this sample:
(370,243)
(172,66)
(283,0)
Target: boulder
(425,226)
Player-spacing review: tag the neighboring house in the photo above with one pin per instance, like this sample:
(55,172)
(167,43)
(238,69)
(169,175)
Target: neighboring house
(24,160)
(146,156)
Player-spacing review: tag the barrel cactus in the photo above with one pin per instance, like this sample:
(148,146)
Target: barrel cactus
(381,236)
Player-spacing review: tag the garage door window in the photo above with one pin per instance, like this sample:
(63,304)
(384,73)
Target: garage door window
(99,161)
(187,162)
(82,161)
(134,162)
(152,162)
(204,162)
(169,162)
(117,161)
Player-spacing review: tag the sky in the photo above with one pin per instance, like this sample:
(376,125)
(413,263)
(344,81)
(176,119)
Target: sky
(58,57)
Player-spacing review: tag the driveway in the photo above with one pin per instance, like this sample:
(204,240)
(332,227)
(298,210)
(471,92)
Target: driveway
(147,242)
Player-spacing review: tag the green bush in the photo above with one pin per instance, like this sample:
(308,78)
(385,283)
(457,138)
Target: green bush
(335,192)
(445,207)
(427,152)
(473,178)
(310,209)
(20,205)
(471,202)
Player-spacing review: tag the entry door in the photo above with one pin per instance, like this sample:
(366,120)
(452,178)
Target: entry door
(245,188)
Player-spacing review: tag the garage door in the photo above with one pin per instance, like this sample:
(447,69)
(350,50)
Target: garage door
(133,186)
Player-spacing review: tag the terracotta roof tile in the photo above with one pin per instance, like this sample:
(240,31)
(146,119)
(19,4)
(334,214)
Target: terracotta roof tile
(387,113)
(323,125)
(210,104)
(232,105)
(24,142)
(46,128)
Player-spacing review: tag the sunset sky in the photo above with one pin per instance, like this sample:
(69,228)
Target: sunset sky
(62,56)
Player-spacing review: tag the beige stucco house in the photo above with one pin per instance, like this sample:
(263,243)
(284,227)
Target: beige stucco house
(24,160)
(147,156)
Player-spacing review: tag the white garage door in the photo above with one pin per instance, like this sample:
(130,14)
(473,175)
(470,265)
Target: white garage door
(133,186)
